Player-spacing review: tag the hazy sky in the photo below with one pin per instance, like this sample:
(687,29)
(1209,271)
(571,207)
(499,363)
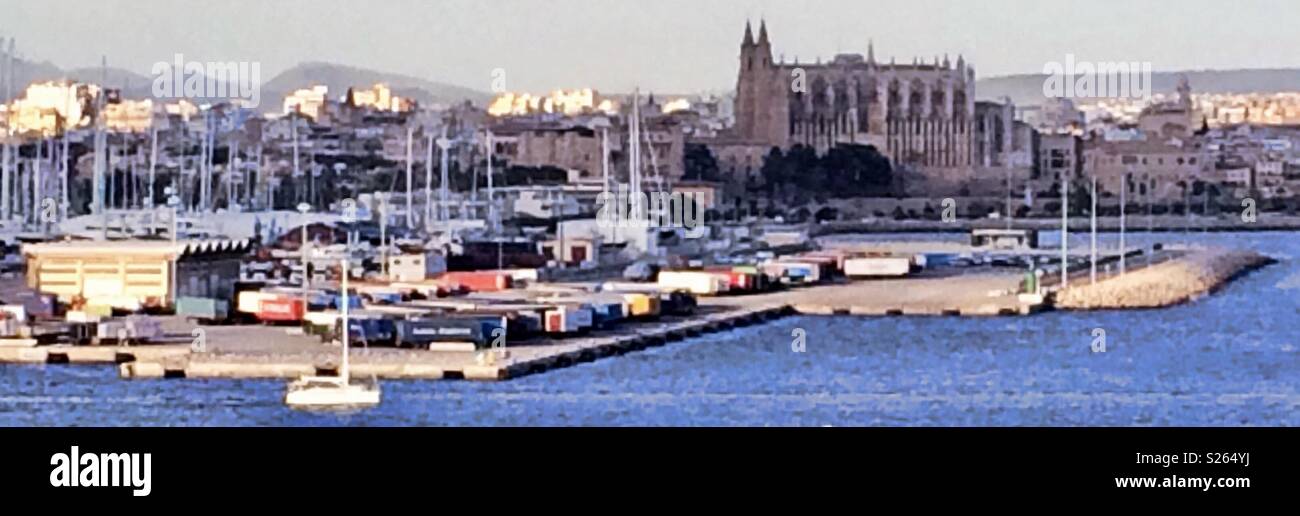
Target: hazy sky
(661,45)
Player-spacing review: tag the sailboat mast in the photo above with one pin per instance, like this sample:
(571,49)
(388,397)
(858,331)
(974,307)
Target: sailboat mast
(63,178)
(203,163)
(492,198)
(347,330)
(428,179)
(232,167)
(654,161)
(9,157)
(604,158)
(153,159)
(293,129)
(100,148)
(33,212)
(444,144)
(410,133)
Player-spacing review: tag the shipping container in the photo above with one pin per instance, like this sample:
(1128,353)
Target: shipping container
(384,293)
(522,321)
(793,272)
(478,281)
(826,265)
(522,275)
(10,327)
(203,309)
(134,329)
(250,301)
(353,301)
(281,309)
(760,280)
(700,283)
(368,331)
(37,305)
(642,305)
(82,332)
(737,282)
(321,323)
(878,267)
(677,302)
(577,317)
(607,309)
(478,330)
(14,312)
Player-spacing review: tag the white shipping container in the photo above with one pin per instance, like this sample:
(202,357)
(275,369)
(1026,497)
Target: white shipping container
(877,267)
(17,312)
(700,283)
(250,301)
(143,328)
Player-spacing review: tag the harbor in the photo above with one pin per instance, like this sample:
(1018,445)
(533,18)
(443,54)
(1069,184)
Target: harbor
(288,347)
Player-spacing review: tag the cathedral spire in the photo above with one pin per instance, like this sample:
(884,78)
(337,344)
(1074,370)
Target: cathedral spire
(871,51)
(749,35)
(762,32)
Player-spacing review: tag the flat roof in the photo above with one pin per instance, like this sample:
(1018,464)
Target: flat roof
(135,247)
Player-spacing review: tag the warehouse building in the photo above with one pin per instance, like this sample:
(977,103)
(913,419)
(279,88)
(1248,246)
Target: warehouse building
(134,274)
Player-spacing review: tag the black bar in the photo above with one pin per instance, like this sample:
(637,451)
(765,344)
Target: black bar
(406,462)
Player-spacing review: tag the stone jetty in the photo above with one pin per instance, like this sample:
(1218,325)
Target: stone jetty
(1194,274)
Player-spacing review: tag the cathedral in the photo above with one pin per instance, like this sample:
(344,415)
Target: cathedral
(921,115)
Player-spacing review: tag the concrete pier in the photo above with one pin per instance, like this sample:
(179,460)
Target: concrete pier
(294,358)
(983,294)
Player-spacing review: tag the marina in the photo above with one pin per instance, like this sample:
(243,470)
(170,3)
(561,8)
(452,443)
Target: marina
(301,341)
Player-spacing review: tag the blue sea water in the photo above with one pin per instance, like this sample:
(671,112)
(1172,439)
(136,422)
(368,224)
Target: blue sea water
(1227,360)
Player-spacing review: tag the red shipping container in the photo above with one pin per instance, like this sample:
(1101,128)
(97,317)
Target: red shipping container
(554,322)
(479,281)
(281,309)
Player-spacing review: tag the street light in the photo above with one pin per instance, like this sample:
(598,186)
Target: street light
(383,234)
(173,201)
(304,208)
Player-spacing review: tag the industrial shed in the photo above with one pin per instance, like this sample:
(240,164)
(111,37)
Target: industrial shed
(134,274)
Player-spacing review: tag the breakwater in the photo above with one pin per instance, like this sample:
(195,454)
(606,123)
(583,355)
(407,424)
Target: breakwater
(1195,274)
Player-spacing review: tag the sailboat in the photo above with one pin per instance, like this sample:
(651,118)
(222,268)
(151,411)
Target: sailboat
(334,391)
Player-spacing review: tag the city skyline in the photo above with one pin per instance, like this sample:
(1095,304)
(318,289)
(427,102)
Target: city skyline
(543,46)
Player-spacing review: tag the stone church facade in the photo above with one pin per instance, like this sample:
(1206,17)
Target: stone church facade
(920,113)
(923,116)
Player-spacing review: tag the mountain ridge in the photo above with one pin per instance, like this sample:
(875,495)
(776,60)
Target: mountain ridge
(336,76)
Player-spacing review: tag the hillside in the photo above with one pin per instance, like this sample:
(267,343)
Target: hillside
(1028,89)
(337,77)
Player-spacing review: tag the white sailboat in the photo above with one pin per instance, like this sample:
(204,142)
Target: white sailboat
(334,391)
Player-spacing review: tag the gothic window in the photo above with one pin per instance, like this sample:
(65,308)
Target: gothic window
(841,98)
(820,101)
(938,106)
(959,109)
(895,99)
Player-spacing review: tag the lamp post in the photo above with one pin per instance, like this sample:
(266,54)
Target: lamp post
(173,201)
(383,234)
(1065,231)
(1092,260)
(1123,249)
(304,208)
